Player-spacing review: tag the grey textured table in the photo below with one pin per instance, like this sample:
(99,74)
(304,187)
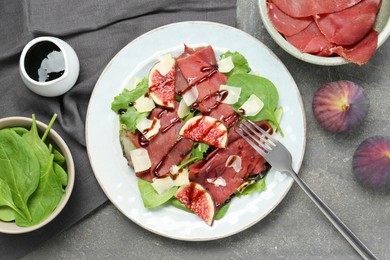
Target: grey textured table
(296,229)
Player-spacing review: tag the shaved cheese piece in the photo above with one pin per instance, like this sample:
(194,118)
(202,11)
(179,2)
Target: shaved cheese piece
(225,65)
(140,159)
(165,65)
(149,128)
(217,181)
(233,94)
(161,185)
(144,104)
(252,106)
(183,109)
(190,96)
(179,175)
(234,161)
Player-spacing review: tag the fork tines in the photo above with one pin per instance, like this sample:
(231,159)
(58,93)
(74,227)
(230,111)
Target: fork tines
(257,137)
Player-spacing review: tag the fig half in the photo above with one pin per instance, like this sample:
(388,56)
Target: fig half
(371,162)
(197,199)
(339,106)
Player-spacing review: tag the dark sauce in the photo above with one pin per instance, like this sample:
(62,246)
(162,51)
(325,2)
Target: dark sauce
(212,68)
(44,62)
(164,158)
(143,142)
(165,129)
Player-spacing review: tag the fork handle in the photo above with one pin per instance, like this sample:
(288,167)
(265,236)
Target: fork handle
(364,252)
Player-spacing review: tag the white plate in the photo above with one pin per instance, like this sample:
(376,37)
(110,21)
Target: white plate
(117,179)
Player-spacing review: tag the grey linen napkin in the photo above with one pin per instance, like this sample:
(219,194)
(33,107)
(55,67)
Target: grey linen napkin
(97,30)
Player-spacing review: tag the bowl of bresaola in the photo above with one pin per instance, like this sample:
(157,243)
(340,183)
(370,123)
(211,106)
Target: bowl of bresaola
(328,32)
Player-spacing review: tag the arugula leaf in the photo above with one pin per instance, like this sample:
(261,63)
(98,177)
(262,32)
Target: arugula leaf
(264,89)
(240,63)
(150,197)
(197,153)
(123,100)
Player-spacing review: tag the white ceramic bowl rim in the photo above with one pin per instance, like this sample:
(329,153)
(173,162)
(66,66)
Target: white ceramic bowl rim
(59,43)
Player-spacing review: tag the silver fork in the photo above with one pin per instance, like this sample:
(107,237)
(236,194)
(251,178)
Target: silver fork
(280,158)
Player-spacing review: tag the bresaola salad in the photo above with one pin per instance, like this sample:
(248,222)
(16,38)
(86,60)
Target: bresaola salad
(177,130)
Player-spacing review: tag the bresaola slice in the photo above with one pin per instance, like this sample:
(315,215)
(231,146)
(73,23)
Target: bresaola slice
(304,8)
(361,52)
(285,24)
(349,26)
(341,28)
(310,40)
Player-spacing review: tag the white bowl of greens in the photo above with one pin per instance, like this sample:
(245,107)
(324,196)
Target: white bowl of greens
(37,174)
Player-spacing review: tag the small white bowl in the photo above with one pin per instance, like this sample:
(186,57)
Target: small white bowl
(55,139)
(382,25)
(59,85)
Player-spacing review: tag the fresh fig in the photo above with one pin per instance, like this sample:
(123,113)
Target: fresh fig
(339,106)
(371,162)
(197,199)
(162,82)
(205,129)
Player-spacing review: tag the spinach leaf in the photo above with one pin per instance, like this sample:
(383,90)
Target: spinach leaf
(240,63)
(264,89)
(222,211)
(61,174)
(20,130)
(257,186)
(49,191)
(20,168)
(46,197)
(7,214)
(177,204)
(6,197)
(150,196)
(58,157)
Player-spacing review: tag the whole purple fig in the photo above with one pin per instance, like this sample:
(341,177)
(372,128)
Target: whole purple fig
(371,162)
(339,106)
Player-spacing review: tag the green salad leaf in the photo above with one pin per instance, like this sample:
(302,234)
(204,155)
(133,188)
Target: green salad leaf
(257,186)
(222,211)
(177,204)
(20,168)
(7,214)
(6,200)
(150,197)
(264,89)
(49,191)
(240,63)
(123,103)
(197,153)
